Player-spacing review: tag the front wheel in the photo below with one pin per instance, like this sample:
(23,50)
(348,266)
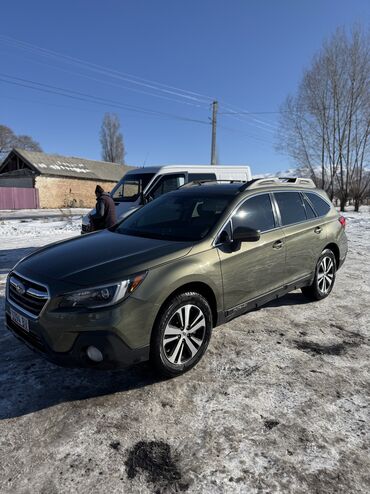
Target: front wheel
(181,334)
(324,277)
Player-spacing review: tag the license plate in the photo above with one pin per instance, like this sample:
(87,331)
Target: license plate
(20,320)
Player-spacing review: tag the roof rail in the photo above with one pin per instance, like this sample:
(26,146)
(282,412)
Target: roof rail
(201,182)
(279,181)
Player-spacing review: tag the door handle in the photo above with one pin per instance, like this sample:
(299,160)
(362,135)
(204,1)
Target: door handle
(277,245)
(318,229)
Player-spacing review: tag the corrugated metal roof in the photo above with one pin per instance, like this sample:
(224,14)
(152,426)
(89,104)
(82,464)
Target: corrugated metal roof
(67,166)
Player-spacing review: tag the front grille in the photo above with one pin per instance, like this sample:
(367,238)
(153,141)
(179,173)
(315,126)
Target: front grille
(31,338)
(27,294)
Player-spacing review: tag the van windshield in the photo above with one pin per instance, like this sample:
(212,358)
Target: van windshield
(174,216)
(130,187)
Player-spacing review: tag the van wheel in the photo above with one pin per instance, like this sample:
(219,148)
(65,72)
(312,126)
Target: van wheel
(181,334)
(324,277)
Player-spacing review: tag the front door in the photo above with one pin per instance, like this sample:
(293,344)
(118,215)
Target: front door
(254,268)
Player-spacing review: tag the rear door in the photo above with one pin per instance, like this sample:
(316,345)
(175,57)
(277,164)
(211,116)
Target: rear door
(303,231)
(255,268)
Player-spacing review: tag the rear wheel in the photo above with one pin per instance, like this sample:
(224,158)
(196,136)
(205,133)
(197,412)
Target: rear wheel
(324,277)
(181,334)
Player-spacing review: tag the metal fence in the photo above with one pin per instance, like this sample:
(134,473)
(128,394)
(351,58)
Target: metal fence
(19,198)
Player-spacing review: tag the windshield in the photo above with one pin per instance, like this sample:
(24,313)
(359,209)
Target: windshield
(176,216)
(131,186)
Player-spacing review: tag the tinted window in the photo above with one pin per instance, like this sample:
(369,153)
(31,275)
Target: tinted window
(291,207)
(193,177)
(321,207)
(309,211)
(167,183)
(255,213)
(176,216)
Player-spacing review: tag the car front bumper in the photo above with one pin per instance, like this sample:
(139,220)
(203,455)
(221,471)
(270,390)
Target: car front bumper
(63,338)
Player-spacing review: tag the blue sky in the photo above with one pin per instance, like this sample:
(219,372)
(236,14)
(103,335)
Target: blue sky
(247,54)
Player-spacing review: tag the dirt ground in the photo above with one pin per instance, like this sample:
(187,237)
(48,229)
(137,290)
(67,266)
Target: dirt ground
(279,404)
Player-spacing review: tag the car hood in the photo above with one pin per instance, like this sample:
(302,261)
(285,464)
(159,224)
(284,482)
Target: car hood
(99,258)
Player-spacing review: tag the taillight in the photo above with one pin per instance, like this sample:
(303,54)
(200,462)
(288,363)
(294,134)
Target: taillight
(342,221)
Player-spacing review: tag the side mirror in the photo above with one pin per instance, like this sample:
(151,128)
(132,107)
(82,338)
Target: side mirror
(224,238)
(245,234)
(142,199)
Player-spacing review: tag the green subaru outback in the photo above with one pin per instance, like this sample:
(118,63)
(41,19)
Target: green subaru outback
(153,286)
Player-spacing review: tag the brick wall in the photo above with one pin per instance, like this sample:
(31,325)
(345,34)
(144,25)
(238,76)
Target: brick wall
(57,192)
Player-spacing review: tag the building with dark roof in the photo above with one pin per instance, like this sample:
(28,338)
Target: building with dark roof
(59,181)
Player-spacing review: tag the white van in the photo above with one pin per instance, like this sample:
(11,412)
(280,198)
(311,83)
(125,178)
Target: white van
(141,185)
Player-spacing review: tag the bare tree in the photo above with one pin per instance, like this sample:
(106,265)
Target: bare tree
(111,139)
(325,126)
(9,140)
(27,143)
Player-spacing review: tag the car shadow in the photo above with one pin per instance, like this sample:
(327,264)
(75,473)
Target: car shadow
(30,383)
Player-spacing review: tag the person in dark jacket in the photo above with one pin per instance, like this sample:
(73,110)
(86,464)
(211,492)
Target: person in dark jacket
(105,215)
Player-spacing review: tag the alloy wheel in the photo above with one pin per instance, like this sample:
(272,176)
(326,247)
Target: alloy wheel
(325,274)
(184,334)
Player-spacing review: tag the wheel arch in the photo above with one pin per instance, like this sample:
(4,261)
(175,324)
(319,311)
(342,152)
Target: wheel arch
(194,286)
(335,249)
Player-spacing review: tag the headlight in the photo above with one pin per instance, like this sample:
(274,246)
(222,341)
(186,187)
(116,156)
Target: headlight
(101,296)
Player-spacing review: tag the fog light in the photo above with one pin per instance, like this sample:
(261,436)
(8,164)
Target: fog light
(94,354)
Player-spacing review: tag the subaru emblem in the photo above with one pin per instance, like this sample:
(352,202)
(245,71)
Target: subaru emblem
(20,288)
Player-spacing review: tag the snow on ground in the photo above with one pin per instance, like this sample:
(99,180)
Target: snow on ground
(48,227)
(280,402)
(8,214)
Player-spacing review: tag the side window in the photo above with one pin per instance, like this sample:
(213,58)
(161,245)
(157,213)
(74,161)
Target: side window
(310,213)
(167,183)
(256,213)
(129,190)
(321,207)
(193,177)
(291,207)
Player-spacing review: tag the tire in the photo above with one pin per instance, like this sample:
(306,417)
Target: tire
(324,279)
(181,334)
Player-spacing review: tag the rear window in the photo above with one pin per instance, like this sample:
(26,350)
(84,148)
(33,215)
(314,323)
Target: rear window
(310,213)
(320,205)
(291,207)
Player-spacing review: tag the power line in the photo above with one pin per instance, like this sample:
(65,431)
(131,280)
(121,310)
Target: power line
(77,95)
(251,112)
(119,85)
(145,86)
(147,83)
(258,139)
(184,93)
(235,112)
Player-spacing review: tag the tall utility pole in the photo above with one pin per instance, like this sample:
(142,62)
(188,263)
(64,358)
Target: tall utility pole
(214,127)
